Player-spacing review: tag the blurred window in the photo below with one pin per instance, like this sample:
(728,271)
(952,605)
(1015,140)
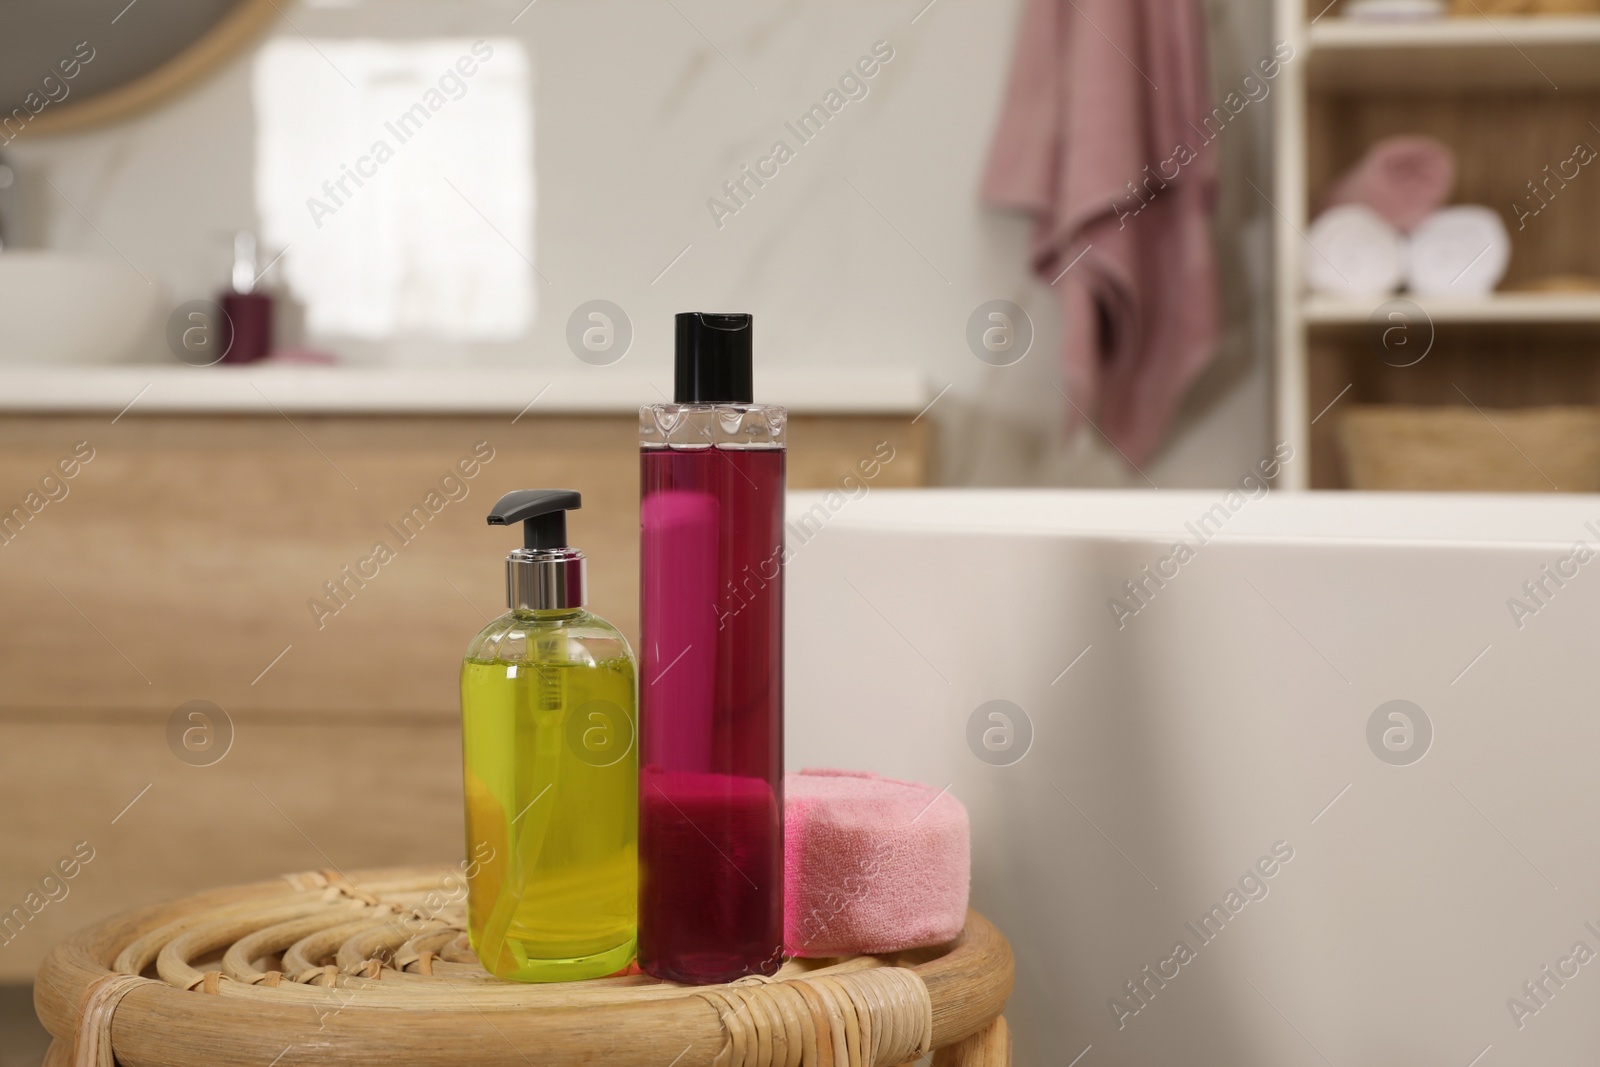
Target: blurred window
(397,180)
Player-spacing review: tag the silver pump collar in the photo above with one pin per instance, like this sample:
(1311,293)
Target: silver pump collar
(546,579)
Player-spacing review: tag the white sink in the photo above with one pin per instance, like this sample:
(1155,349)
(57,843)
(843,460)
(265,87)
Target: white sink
(64,308)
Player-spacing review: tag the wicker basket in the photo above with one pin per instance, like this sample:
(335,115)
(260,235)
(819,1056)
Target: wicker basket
(1462,449)
(1483,8)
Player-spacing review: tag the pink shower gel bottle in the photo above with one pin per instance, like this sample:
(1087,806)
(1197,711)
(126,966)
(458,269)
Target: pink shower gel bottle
(711,683)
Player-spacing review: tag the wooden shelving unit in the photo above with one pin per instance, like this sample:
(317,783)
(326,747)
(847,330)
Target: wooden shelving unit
(1511,96)
(1517,308)
(1468,52)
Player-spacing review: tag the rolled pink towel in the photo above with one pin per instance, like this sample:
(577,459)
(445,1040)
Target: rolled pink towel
(1405,179)
(871,865)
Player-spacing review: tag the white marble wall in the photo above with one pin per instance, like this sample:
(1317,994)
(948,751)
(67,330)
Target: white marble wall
(868,248)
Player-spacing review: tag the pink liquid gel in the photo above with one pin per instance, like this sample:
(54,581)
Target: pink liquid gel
(711,710)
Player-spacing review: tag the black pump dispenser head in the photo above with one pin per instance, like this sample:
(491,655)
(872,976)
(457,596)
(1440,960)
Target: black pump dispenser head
(543,513)
(712,363)
(545,573)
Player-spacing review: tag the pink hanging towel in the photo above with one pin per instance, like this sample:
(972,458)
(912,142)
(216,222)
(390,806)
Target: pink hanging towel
(1105,140)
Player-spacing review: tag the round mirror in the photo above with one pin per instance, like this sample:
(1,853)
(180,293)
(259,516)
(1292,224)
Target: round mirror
(71,63)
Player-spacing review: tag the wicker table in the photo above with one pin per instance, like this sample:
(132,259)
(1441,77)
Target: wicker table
(319,969)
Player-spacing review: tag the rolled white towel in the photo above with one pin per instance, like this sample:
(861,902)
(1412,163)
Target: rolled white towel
(1459,251)
(1354,252)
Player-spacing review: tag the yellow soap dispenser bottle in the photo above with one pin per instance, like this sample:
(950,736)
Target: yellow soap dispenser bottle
(549,730)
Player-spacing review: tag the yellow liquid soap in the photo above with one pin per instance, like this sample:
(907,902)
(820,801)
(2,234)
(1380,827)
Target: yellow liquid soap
(549,740)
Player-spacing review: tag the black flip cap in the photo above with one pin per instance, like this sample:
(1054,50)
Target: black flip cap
(543,513)
(713,359)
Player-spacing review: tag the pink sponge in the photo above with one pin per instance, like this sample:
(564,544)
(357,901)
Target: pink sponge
(871,865)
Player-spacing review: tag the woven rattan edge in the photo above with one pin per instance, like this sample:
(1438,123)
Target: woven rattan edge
(968,982)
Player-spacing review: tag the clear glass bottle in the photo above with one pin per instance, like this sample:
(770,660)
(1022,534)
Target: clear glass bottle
(549,728)
(711,696)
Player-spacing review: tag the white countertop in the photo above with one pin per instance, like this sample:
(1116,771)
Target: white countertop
(476,389)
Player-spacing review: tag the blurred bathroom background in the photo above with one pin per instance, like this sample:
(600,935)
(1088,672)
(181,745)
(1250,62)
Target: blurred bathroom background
(577,165)
(274,275)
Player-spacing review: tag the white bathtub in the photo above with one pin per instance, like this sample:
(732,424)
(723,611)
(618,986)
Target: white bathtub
(1230,716)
